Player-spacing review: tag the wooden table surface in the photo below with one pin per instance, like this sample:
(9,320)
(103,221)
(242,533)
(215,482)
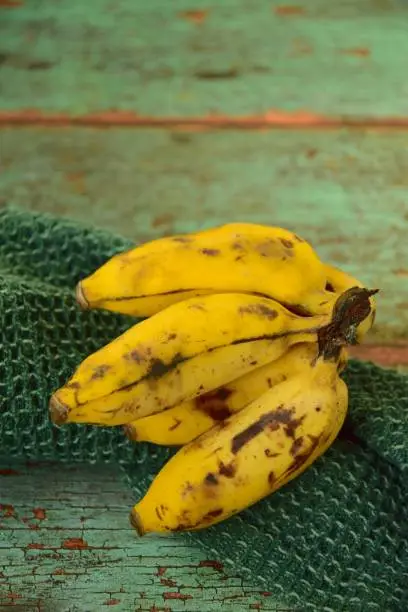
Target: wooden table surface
(149,118)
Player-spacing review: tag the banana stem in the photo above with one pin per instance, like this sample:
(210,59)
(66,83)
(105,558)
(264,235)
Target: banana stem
(350,309)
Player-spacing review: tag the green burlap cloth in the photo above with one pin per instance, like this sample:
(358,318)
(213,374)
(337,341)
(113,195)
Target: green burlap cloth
(334,539)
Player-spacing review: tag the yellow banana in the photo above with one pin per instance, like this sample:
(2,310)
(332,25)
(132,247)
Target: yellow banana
(188,349)
(251,454)
(186,421)
(237,257)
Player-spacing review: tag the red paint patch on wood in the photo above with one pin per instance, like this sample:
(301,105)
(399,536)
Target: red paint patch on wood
(197,17)
(164,219)
(400,272)
(59,572)
(74,544)
(77,180)
(111,602)
(10,3)
(9,472)
(8,510)
(214,564)
(39,513)
(35,546)
(266,593)
(255,606)
(32,526)
(161,571)
(275,118)
(387,356)
(289,11)
(177,595)
(14,596)
(155,609)
(168,582)
(357,52)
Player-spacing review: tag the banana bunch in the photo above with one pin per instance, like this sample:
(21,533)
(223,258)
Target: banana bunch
(237,360)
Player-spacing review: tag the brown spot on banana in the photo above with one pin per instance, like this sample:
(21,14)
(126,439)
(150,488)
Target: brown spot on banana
(291,427)
(188,487)
(301,458)
(260,310)
(159,368)
(273,420)
(214,404)
(210,252)
(212,514)
(271,478)
(288,244)
(182,239)
(185,525)
(197,306)
(296,446)
(176,424)
(228,470)
(211,479)
(100,371)
(267,248)
(73,385)
(270,454)
(135,355)
(237,246)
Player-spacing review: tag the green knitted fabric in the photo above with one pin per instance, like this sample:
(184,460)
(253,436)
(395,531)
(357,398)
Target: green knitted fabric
(334,539)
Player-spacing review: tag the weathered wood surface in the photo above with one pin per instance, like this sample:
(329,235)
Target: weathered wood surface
(66,546)
(346,192)
(200,57)
(65,542)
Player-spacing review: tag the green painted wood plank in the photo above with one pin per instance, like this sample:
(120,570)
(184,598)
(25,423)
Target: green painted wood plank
(195,57)
(346,191)
(81,555)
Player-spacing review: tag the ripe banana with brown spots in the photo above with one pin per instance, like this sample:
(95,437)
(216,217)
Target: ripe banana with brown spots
(188,420)
(263,446)
(236,257)
(184,351)
(251,454)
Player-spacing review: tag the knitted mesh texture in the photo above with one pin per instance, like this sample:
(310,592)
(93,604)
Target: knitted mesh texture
(333,539)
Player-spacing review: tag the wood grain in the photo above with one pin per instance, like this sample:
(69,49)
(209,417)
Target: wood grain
(200,58)
(66,546)
(346,191)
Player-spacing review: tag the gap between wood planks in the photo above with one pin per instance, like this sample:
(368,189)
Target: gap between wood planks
(278,119)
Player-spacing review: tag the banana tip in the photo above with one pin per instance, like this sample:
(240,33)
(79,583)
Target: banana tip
(136,522)
(58,411)
(80,297)
(130,432)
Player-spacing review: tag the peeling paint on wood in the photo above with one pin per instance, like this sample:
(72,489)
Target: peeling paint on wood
(85,57)
(272,118)
(90,505)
